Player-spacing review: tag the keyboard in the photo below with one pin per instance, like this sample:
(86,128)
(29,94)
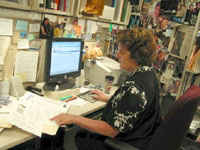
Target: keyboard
(87,96)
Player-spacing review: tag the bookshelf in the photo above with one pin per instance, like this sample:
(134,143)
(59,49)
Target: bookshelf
(187,75)
(117,15)
(33,6)
(57,7)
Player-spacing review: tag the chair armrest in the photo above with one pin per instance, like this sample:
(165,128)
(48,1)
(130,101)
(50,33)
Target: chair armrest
(119,145)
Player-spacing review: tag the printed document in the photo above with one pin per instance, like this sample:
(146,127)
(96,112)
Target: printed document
(26,65)
(32,113)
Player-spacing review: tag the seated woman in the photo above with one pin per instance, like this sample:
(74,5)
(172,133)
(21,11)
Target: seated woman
(132,114)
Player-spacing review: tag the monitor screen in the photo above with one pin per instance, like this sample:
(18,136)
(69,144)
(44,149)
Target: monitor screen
(63,61)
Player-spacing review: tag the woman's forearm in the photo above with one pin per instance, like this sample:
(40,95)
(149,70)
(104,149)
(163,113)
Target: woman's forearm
(96,126)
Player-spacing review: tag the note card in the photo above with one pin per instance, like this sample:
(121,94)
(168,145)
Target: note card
(23,44)
(26,65)
(34,27)
(22,25)
(6,26)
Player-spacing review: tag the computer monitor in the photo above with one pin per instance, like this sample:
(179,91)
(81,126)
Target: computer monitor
(63,63)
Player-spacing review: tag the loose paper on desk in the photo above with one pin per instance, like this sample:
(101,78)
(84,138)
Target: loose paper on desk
(4,112)
(26,65)
(77,102)
(32,113)
(34,27)
(6,26)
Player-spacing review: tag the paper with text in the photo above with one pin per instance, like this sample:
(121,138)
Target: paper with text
(34,27)
(16,37)
(91,26)
(9,62)
(33,112)
(4,44)
(23,44)
(22,25)
(35,45)
(6,26)
(26,65)
(81,22)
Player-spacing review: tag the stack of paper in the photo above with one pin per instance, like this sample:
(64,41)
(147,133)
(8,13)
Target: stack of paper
(5,108)
(32,113)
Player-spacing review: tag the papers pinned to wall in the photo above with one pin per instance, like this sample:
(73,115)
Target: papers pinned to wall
(34,27)
(35,45)
(16,37)
(26,65)
(91,26)
(22,25)
(6,26)
(4,44)
(23,44)
(81,22)
(9,62)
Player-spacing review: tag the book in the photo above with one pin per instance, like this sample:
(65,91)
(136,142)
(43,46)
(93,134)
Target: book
(124,11)
(194,62)
(118,10)
(182,40)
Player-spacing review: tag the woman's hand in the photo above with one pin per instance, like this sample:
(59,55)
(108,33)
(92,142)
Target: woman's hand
(100,95)
(64,118)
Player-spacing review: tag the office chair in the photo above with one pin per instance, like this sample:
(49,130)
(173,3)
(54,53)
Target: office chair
(174,126)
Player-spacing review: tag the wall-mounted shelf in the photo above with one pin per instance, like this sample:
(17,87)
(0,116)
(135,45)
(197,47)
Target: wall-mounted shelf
(192,72)
(176,56)
(135,14)
(100,19)
(14,5)
(51,11)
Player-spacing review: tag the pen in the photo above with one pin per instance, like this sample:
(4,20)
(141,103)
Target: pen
(64,98)
(69,99)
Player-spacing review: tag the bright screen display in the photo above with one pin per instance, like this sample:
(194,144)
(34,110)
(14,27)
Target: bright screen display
(65,57)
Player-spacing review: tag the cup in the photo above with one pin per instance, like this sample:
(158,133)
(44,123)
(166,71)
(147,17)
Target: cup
(108,84)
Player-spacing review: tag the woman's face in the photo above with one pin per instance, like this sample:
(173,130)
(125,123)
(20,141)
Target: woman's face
(126,62)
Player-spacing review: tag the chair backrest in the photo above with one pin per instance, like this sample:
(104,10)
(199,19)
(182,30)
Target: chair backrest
(174,127)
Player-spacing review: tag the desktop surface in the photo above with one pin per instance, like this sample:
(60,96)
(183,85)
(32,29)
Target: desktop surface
(15,136)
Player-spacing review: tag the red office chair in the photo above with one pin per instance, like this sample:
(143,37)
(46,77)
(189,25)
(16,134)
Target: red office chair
(174,127)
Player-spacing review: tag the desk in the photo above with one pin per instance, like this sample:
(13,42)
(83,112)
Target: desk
(12,137)
(15,136)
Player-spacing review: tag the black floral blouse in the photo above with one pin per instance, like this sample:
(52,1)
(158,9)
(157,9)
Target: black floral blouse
(134,107)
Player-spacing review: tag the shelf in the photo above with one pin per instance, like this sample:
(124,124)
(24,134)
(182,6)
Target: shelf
(135,14)
(14,5)
(51,11)
(176,56)
(95,18)
(192,72)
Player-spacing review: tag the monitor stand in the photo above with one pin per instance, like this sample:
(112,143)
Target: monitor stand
(57,86)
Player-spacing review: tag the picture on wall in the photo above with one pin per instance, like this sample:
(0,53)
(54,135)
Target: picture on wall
(46,29)
(178,43)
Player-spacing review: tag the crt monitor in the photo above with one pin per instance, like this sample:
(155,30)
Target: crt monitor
(63,63)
